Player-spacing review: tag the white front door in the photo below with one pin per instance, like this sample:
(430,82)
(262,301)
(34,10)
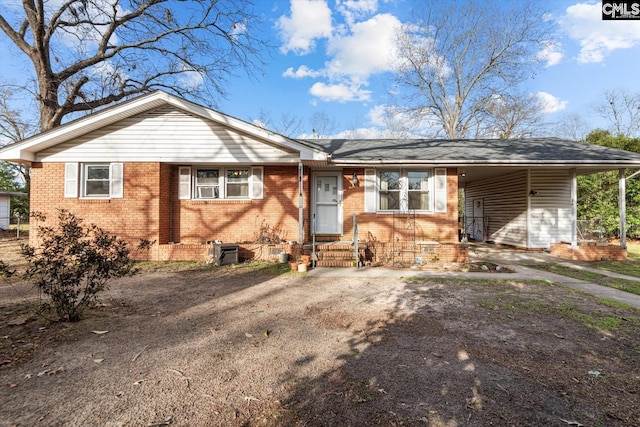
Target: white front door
(478,220)
(328,202)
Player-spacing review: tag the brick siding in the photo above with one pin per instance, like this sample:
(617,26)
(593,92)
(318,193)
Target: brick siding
(150,209)
(441,227)
(589,252)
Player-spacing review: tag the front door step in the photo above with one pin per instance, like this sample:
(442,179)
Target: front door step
(338,254)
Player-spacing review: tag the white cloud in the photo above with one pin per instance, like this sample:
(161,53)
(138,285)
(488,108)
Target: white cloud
(549,103)
(302,72)
(551,53)
(597,38)
(191,78)
(368,49)
(339,92)
(309,20)
(356,9)
(357,48)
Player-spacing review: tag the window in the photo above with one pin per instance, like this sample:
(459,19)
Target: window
(208,184)
(401,190)
(419,197)
(389,190)
(237,183)
(96,180)
(93,180)
(220,183)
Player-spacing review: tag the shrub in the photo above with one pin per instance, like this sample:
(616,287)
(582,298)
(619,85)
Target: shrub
(74,262)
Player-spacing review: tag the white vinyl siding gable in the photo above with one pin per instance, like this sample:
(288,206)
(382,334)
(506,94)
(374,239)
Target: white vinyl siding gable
(168,134)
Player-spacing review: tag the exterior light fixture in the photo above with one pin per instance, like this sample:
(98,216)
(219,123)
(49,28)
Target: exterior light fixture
(354,180)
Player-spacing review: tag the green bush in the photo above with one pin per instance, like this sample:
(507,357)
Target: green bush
(74,262)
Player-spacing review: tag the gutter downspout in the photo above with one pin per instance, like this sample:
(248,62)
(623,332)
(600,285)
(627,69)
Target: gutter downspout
(300,206)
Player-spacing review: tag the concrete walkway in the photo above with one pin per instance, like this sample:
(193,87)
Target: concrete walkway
(513,259)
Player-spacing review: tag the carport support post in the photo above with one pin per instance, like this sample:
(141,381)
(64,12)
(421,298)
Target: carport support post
(622,204)
(300,207)
(574,209)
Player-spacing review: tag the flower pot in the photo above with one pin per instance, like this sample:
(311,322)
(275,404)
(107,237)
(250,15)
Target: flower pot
(293,265)
(302,268)
(305,259)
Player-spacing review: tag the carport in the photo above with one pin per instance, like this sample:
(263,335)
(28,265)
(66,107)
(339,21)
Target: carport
(525,195)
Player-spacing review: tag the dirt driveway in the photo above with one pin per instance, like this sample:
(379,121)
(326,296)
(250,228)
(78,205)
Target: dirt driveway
(252,346)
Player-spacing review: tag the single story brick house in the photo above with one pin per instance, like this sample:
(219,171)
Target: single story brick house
(161,168)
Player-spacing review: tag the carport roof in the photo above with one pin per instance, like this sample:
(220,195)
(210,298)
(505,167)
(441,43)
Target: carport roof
(474,152)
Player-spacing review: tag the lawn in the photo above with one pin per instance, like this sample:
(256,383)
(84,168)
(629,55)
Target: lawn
(631,267)
(252,345)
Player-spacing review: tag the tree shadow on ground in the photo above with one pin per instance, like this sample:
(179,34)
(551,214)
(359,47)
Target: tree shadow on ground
(448,357)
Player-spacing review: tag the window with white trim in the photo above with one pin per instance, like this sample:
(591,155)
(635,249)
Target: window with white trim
(93,180)
(207,183)
(389,190)
(237,184)
(96,180)
(220,183)
(419,190)
(405,190)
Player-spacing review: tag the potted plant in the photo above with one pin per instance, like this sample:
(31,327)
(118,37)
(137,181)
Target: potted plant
(305,259)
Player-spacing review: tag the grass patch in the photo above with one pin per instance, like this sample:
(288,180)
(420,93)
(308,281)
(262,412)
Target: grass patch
(631,267)
(616,304)
(529,306)
(589,276)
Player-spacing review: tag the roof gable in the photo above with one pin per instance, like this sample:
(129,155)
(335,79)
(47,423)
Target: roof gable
(28,149)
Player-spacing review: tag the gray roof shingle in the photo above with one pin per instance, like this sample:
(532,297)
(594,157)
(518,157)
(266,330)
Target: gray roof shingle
(472,151)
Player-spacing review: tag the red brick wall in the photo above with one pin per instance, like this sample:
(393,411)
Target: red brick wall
(150,208)
(589,253)
(199,221)
(441,227)
(131,218)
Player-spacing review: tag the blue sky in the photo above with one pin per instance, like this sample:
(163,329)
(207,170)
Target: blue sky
(331,42)
(331,57)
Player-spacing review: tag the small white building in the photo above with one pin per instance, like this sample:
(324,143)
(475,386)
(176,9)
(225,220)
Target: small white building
(5,207)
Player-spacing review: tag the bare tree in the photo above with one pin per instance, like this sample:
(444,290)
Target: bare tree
(322,126)
(458,55)
(89,53)
(13,128)
(513,116)
(571,126)
(622,110)
(287,124)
